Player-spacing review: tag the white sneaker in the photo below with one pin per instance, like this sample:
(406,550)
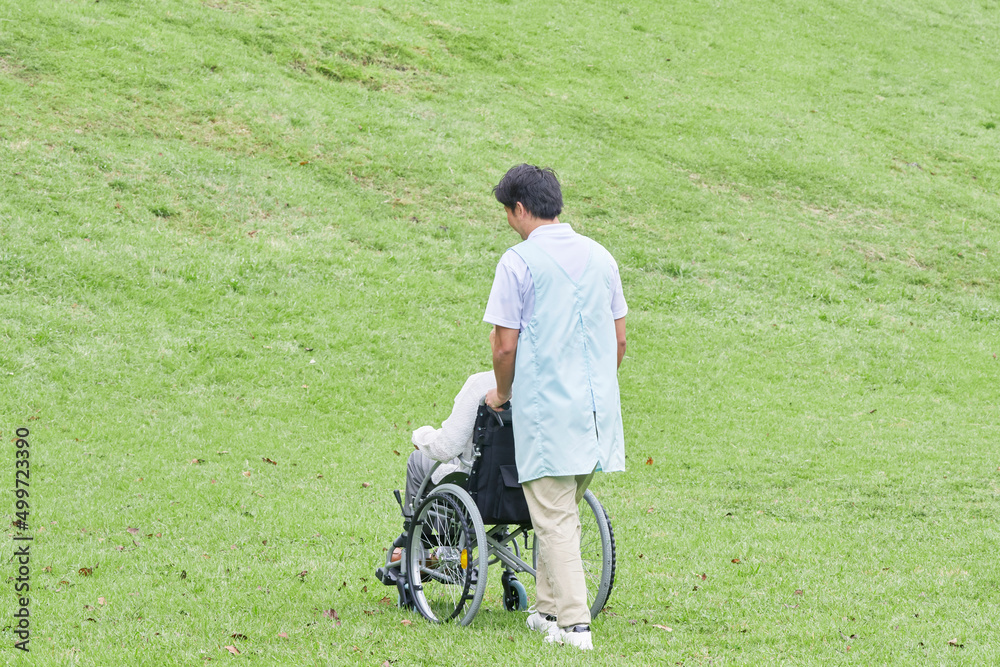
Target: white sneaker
(543,623)
(578,636)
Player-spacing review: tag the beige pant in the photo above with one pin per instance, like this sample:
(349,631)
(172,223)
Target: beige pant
(560,584)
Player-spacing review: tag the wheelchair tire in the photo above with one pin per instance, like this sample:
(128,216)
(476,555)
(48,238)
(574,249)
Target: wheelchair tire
(515,597)
(597,550)
(446,556)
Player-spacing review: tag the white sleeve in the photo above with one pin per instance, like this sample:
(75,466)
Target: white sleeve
(454,438)
(619,308)
(505,303)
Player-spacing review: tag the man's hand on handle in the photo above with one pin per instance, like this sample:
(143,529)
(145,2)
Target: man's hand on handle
(494,400)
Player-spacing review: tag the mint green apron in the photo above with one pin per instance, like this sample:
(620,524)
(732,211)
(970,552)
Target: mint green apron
(565,401)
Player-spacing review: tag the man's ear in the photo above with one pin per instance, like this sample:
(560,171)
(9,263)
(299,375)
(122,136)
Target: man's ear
(519,210)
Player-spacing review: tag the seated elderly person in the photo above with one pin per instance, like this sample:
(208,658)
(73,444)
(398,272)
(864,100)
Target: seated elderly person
(451,444)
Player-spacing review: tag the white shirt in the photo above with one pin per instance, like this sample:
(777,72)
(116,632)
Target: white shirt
(454,439)
(512,299)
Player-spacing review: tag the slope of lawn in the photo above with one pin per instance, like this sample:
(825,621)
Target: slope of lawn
(245,248)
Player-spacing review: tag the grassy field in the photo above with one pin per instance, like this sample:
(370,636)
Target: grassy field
(245,248)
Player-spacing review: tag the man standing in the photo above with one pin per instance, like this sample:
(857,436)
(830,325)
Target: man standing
(559,313)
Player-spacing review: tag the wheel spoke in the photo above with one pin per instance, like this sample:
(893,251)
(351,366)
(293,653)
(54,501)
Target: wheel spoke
(448,553)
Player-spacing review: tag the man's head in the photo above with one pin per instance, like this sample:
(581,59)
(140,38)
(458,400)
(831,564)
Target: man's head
(536,189)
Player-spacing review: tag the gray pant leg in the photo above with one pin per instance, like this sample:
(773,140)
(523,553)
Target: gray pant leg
(418,466)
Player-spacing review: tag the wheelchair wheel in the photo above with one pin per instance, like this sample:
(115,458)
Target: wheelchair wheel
(597,550)
(446,556)
(515,597)
(597,547)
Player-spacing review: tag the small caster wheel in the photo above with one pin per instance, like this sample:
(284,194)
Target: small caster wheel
(405,597)
(515,598)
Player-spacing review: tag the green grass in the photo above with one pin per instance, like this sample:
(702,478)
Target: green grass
(237,231)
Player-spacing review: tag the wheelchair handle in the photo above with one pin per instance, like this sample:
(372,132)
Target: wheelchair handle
(496,413)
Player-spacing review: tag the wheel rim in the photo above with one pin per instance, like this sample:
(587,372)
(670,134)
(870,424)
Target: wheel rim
(443,554)
(597,550)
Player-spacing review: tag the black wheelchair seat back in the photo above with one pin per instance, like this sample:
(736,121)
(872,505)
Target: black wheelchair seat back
(493,481)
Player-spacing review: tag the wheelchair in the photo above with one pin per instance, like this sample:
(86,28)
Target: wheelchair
(468,522)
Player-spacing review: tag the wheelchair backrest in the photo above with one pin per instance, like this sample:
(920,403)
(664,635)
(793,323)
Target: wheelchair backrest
(493,481)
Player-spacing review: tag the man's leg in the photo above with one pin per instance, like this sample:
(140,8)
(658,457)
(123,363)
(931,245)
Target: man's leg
(561,586)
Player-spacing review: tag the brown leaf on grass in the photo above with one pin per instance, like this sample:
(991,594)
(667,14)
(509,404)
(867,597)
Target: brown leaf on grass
(283,635)
(233,650)
(387,601)
(954,642)
(101,601)
(195,462)
(406,621)
(703,576)
(246,473)
(267,460)
(396,452)
(134,531)
(303,573)
(663,627)
(85,571)
(240,636)
(365,485)
(649,461)
(736,561)
(332,614)
(799,591)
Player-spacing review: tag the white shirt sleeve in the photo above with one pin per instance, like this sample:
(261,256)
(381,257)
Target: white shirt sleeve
(619,308)
(505,303)
(454,438)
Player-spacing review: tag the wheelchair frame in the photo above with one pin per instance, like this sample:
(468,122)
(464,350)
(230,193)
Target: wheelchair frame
(447,552)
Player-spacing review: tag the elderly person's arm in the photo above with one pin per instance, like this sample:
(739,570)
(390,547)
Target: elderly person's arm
(454,438)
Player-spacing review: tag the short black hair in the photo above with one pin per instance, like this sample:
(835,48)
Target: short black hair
(536,188)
